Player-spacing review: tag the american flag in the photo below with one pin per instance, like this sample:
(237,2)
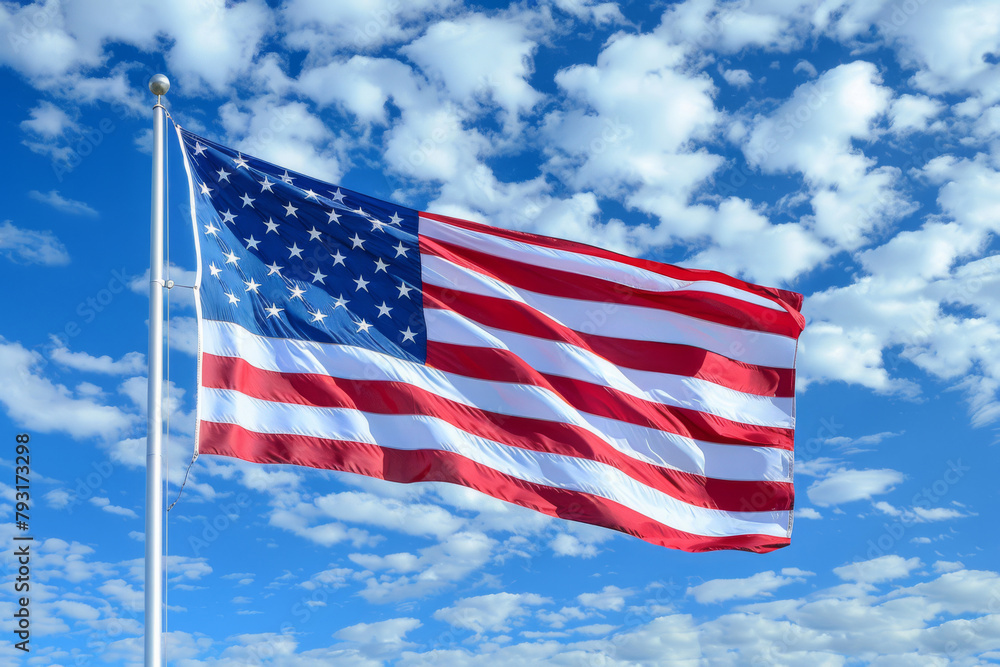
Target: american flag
(342,332)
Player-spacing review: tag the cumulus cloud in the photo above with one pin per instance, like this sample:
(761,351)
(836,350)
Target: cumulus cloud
(382,638)
(31,247)
(36,402)
(130,363)
(737,77)
(877,570)
(478,56)
(845,485)
(60,203)
(495,612)
(760,584)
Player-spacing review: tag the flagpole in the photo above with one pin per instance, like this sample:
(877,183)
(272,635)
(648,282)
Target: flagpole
(158,85)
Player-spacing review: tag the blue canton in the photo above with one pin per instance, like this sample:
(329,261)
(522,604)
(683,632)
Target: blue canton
(284,255)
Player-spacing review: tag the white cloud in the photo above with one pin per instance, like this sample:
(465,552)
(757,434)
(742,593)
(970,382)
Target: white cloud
(911,113)
(807,67)
(285,133)
(105,504)
(949,44)
(601,13)
(37,403)
(844,485)
(58,498)
(130,363)
(437,567)
(30,246)
(382,638)
(760,584)
(943,566)
(915,279)
(364,86)
(205,42)
(323,27)
(828,351)
(406,517)
(812,133)
(60,203)
(877,570)
(495,612)
(610,598)
(476,56)
(737,77)
(919,514)
(565,544)
(732,27)
(49,122)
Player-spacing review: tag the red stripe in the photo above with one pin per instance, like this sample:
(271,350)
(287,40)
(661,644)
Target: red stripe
(505,366)
(554,282)
(642,355)
(406,466)
(791,301)
(384,397)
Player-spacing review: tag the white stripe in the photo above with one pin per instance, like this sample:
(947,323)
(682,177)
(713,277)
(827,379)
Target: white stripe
(721,461)
(412,432)
(622,321)
(566,360)
(588,265)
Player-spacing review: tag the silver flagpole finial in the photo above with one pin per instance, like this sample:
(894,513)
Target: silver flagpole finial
(159,84)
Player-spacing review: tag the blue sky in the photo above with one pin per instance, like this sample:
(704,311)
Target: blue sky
(847,150)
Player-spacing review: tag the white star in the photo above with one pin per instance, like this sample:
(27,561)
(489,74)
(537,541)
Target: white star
(383,309)
(340,302)
(297,292)
(274,268)
(317,276)
(377,225)
(338,258)
(290,210)
(272,226)
(360,211)
(338,197)
(231,258)
(408,335)
(240,162)
(380,265)
(273,310)
(400,249)
(247,201)
(252,285)
(266,185)
(295,251)
(312,195)
(228,217)
(334,216)
(286,178)
(404,291)
(223,175)
(211,229)
(358,241)
(233,299)
(204,189)
(361,283)
(214,269)
(252,242)
(314,234)
(363,326)
(317,316)
(198,148)
(395,219)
